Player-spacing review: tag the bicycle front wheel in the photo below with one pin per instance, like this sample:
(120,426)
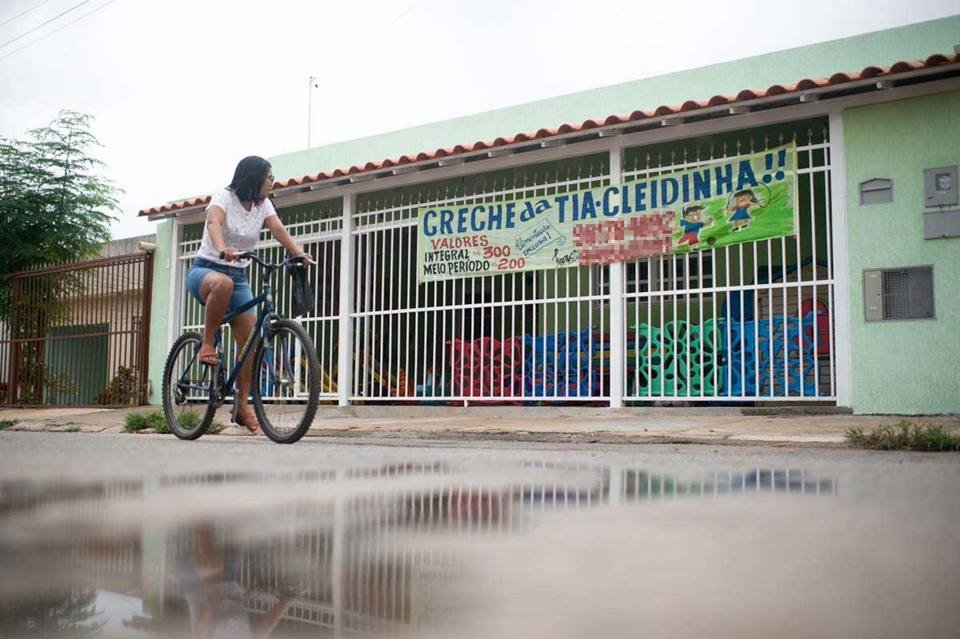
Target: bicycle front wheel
(186,389)
(286,387)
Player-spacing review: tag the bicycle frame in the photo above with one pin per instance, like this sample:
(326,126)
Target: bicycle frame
(268,312)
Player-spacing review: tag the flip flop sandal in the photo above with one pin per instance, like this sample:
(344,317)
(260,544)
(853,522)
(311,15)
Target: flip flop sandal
(209,359)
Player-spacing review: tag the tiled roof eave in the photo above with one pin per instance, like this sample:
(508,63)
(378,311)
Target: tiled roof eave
(690,109)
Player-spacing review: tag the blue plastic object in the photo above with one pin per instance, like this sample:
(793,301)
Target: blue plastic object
(753,348)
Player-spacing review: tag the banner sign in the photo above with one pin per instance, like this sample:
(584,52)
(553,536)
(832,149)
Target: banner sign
(727,202)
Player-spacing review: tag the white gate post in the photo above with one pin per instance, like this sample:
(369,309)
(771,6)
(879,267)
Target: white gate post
(338,554)
(175,301)
(615,485)
(345,349)
(841,262)
(615,291)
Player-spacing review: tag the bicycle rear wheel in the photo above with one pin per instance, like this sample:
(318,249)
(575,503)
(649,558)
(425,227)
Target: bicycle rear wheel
(186,389)
(286,385)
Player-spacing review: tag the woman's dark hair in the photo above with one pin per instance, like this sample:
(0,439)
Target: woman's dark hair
(249,176)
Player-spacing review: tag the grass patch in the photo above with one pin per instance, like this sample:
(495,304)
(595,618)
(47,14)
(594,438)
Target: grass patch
(7,423)
(189,419)
(136,422)
(905,436)
(159,423)
(72,429)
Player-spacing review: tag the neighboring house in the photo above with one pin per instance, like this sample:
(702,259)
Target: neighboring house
(856,306)
(90,316)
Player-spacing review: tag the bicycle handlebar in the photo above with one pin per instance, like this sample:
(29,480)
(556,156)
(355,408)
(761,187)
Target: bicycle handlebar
(249,255)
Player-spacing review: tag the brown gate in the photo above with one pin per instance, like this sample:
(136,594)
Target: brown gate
(78,334)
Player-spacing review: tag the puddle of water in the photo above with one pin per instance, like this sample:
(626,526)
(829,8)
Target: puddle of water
(453,549)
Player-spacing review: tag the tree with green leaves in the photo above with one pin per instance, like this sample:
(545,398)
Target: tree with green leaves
(54,205)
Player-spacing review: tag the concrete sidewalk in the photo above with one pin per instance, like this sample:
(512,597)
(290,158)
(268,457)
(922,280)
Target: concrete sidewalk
(784,427)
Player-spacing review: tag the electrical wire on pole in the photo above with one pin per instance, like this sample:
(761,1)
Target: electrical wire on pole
(311,86)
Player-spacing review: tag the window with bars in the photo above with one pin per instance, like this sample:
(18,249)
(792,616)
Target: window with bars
(665,273)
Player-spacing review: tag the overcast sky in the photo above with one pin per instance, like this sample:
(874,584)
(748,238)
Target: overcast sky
(182,89)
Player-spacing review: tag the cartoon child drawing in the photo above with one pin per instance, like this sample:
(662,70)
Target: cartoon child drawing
(692,223)
(742,201)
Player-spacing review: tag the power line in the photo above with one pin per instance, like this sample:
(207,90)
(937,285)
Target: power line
(413,5)
(23,13)
(61,28)
(40,26)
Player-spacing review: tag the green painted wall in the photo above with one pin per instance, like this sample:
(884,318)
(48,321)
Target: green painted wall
(912,42)
(907,366)
(161,313)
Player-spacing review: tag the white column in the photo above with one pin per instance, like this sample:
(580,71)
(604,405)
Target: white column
(347,275)
(177,287)
(615,487)
(615,277)
(841,262)
(338,554)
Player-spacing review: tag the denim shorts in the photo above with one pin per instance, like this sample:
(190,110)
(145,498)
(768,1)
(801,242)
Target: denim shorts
(241,286)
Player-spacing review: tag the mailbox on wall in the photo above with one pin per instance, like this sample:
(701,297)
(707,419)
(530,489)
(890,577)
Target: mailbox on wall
(876,191)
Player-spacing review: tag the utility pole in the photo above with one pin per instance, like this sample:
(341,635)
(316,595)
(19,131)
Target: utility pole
(312,84)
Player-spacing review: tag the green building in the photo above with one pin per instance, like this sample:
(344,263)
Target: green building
(858,306)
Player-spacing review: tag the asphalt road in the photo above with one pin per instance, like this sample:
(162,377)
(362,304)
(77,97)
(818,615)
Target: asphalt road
(480,539)
(26,455)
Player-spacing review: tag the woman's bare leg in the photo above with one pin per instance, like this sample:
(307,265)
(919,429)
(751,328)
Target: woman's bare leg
(216,290)
(242,328)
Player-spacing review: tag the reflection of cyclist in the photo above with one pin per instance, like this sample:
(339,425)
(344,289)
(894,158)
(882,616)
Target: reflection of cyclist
(209,580)
(235,217)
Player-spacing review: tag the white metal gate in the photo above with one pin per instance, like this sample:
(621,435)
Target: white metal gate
(751,322)
(317,228)
(508,338)
(747,323)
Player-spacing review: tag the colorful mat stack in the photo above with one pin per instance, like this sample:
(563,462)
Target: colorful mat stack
(718,358)
(486,367)
(750,357)
(679,359)
(561,365)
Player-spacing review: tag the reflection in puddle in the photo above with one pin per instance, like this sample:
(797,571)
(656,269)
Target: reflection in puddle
(404,549)
(67,614)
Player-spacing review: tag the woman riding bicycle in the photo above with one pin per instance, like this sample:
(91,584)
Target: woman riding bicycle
(217,278)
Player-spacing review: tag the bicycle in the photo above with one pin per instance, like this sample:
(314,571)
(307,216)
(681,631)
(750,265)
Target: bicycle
(286,384)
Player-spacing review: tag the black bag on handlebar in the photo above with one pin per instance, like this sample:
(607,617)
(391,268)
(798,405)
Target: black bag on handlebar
(302,292)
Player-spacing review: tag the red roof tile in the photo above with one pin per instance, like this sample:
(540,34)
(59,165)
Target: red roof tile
(804,84)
